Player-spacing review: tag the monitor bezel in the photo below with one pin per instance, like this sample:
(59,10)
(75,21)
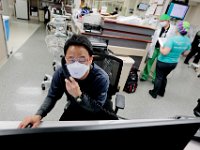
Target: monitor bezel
(101,125)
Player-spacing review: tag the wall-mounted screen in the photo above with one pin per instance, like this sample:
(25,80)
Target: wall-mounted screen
(177,11)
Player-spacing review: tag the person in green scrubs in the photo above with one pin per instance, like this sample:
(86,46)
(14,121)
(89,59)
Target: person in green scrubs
(166,30)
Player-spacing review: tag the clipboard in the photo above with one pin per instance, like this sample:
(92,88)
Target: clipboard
(162,41)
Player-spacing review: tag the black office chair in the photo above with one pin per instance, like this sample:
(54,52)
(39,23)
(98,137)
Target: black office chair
(196,110)
(113,67)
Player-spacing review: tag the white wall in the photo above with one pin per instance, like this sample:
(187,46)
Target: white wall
(6,10)
(8,7)
(193,14)
(127,5)
(77,3)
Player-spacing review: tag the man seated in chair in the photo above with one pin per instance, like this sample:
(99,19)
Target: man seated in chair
(84,83)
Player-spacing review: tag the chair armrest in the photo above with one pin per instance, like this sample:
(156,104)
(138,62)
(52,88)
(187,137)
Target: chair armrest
(119,102)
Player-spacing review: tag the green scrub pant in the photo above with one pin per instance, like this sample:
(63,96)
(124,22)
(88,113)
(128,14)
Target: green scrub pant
(149,64)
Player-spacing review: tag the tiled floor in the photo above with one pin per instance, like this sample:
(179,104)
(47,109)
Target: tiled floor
(21,76)
(20,31)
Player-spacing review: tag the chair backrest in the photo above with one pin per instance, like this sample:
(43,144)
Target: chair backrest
(113,67)
(100,46)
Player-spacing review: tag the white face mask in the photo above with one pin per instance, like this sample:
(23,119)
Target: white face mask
(163,24)
(77,70)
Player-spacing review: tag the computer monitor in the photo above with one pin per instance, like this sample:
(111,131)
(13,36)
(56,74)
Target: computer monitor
(170,134)
(177,11)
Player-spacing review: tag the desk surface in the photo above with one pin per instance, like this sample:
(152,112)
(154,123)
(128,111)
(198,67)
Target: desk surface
(79,27)
(14,124)
(128,24)
(145,122)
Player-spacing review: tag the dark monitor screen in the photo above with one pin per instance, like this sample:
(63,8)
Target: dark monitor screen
(155,135)
(177,11)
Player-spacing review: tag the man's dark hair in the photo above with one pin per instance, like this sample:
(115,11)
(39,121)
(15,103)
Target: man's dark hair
(79,40)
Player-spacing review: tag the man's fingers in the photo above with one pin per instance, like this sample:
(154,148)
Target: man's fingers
(67,81)
(23,125)
(72,80)
(35,125)
(20,125)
